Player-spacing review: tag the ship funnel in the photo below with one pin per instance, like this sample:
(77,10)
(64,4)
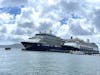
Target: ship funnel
(71,37)
(40,32)
(88,40)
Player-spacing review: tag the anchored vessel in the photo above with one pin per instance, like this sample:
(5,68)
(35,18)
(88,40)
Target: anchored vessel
(84,46)
(49,42)
(43,42)
(46,42)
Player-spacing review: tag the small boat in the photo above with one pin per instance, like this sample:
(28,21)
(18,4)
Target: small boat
(8,48)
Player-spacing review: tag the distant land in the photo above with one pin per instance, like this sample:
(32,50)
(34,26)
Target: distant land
(12,46)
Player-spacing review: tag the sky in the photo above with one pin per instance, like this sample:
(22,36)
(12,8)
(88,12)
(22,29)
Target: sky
(21,19)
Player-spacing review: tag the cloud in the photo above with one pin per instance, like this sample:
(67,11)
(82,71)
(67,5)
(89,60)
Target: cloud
(79,27)
(63,17)
(77,30)
(13,3)
(22,31)
(69,6)
(5,18)
(96,20)
(2,36)
(3,30)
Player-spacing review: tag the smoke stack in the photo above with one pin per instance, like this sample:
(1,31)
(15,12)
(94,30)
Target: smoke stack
(71,37)
(88,40)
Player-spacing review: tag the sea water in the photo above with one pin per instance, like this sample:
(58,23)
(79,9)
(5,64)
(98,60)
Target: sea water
(18,62)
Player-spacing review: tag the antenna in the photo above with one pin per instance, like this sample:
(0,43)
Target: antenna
(88,40)
(50,31)
(39,32)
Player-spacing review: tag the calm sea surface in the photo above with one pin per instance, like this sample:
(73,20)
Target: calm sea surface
(17,62)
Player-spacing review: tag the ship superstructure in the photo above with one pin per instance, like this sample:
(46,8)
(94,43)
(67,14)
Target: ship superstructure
(84,46)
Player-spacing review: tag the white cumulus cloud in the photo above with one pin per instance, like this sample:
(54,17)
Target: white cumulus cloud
(63,17)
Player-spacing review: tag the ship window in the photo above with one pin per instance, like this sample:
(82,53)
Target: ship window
(38,44)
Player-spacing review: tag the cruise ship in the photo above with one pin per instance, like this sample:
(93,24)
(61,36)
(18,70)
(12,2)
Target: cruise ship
(50,42)
(46,42)
(84,46)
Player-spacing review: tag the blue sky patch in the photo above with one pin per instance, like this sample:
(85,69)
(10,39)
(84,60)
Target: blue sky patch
(63,21)
(11,10)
